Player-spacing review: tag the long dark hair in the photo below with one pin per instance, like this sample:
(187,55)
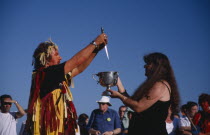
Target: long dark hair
(82,119)
(82,124)
(161,70)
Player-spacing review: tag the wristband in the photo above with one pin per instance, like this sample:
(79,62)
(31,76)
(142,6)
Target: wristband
(94,43)
(124,98)
(16,102)
(125,93)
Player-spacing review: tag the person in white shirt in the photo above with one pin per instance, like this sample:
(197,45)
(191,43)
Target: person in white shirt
(8,119)
(185,125)
(172,123)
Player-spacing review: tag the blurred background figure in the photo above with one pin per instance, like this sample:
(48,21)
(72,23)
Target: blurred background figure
(22,128)
(185,125)
(172,123)
(186,121)
(123,113)
(192,109)
(130,113)
(8,119)
(202,118)
(82,122)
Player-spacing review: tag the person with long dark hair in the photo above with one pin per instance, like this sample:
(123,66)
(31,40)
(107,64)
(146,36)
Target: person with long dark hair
(82,122)
(152,98)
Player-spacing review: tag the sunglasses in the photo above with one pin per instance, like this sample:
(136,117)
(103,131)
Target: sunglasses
(7,103)
(102,103)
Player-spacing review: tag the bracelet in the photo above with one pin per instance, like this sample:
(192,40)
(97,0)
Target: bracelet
(124,98)
(113,132)
(125,93)
(16,102)
(94,43)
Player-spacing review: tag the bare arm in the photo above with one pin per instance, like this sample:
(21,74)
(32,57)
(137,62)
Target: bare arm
(21,111)
(158,92)
(185,128)
(120,86)
(83,66)
(80,61)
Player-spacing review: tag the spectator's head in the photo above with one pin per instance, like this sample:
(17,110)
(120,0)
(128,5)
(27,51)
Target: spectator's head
(172,114)
(104,103)
(192,108)
(204,102)
(122,110)
(184,109)
(83,119)
(130,113)
(6,103)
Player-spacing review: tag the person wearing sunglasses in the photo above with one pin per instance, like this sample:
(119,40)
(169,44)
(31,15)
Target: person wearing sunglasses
(8,119)
(104,121)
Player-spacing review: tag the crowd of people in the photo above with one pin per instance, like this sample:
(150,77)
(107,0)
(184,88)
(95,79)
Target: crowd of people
(186,120)
(189,121)
(153,109)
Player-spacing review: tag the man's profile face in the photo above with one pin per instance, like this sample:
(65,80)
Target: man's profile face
(55,57)
(6,105)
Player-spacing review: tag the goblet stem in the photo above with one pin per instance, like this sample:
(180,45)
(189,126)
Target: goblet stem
(108,87)
(107,93)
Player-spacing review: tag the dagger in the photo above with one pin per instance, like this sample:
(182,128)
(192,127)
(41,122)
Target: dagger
(106,50)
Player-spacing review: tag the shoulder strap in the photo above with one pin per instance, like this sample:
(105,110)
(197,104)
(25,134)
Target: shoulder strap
(167,87)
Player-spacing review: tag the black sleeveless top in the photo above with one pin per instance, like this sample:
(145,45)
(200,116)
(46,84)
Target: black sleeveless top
(150,121)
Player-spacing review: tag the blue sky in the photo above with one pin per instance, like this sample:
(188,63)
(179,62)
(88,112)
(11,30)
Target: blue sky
(180,29)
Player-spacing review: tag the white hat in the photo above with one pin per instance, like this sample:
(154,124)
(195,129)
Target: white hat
(104,99)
